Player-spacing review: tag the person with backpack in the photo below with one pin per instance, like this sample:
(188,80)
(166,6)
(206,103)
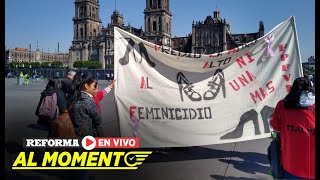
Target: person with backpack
(52,103)
(294,119)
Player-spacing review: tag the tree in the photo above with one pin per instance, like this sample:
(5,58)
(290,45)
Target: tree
(56,64)
(45,64)
(79,64)
(94,65)
(109,66)
(35,64)
(87,64)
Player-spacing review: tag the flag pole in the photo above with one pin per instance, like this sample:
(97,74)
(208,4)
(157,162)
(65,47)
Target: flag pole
(297,42)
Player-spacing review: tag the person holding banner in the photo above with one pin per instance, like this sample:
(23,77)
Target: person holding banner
(100,94)
(294,119)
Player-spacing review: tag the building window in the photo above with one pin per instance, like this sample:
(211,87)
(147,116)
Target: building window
(81,11)
(154,26)
(167,27)
(159,4)
(85,30)
(160,28)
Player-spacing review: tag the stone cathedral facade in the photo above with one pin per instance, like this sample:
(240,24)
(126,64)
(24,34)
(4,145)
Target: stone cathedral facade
(94,42)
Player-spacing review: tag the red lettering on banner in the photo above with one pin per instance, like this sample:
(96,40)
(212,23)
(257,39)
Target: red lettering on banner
(283,57)
(282,47)
(288,87)
(132,108)
(261,93)
(286,76)
(285,67)
(206,65)
(251,76)
(157,47)
(142,82)
(249,57)
(145,83)
(232,50)
(241,61)
(270,87)
(254,96)
(243,80)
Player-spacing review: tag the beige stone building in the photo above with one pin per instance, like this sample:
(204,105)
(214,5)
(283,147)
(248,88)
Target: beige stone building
(94,42)
(25,55)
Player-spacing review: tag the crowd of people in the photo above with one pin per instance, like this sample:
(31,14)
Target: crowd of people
(78,95)
(293,118)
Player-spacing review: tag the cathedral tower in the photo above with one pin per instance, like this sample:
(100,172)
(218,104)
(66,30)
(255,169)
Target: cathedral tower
(86,29)
(157,22)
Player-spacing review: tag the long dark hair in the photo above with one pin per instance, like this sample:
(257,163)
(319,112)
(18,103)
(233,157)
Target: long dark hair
(78,83)
(54,84)
(299,85)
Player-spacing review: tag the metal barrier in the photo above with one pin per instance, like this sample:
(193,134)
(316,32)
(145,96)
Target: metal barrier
(100,74)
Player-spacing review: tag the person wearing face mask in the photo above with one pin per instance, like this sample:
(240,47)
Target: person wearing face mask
(294,119)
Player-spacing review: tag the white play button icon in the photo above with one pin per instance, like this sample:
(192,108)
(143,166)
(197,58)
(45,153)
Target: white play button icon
(88,143)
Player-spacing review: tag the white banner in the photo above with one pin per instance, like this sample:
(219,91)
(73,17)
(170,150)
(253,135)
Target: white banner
(168,98)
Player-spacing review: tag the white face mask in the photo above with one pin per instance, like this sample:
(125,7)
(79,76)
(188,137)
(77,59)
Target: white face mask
(306,99)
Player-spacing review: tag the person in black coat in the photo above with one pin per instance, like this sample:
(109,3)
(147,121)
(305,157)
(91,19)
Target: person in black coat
(66,84)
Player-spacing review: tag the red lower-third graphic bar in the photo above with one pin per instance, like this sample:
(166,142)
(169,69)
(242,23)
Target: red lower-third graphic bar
(117,142)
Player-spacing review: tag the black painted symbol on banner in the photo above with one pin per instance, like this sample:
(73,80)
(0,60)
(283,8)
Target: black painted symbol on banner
(266,113)
(188,88)
(217,83)
(143,51)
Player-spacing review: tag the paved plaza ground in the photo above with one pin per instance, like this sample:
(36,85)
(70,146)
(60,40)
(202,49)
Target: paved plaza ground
(242,160)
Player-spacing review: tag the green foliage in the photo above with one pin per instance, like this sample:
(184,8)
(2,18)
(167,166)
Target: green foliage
(35,64)
(87,64)
(59,64)
(45,64)
(56,64)
(109,66)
